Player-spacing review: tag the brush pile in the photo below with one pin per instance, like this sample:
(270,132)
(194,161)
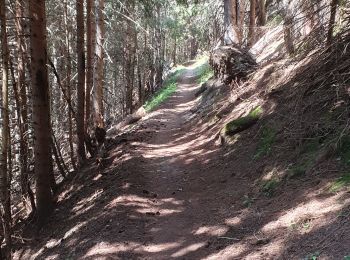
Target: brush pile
(232,63)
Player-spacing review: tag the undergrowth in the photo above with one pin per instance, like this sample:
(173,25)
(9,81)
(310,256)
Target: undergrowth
(340,183)
(267,139)
(269,187)
(204,72)
(170,86)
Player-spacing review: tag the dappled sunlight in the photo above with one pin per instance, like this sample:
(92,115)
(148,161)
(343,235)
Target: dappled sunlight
(212,230)
(312,209)
(184,251)
(163,207)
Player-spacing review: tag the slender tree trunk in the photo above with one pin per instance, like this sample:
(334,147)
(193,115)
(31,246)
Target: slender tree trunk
(129,73)
(91,41)
(81,82)
(21,101)
(331,25)
(252,18)
(41,110)
(4,174)
(99,72)
(262,12)
(68,85)
(288,28)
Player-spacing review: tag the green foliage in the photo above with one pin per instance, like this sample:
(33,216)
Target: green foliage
(248,201)
(267,139)
(269,187)
(340,183)
(204,72)
(313,256)
(346,257)
(243,123)
(275,20)
(344,150)
(170,86)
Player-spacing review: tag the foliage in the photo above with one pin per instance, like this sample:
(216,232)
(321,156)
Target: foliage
(340,183)
(170,86)
(205,74)
(248,201)
(344,150)
(267,139)
(269,186)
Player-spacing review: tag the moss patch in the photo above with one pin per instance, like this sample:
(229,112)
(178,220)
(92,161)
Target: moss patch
(242,123)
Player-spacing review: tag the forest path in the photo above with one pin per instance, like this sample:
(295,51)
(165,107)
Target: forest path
(161,194)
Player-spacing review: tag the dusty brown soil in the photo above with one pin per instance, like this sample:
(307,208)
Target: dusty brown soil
(171,192)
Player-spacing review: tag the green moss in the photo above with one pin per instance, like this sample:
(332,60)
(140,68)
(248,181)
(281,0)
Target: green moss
(340,183)
(243,123)
(267,139)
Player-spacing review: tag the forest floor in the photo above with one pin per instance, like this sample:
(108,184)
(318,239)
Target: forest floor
(171,192)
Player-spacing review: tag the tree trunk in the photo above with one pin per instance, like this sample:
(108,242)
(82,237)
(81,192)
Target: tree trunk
(129,73)
(252,17)
(331,25)
(262,12)
(91,41)
(99,72)
(4,179)
(68,85)
(81,82)
(288,27)
(41,110)
(21,101)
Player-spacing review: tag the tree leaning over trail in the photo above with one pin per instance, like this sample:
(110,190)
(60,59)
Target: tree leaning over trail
(4,179)
(81,82)
(41,110)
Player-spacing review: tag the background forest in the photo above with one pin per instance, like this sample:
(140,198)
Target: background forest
(73,68)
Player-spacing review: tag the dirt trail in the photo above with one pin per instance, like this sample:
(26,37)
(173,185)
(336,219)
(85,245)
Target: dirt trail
(169,192)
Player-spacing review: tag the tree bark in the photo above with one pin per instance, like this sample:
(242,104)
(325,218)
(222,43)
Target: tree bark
(331,25)
(41,110)
(252,18)
(4,174)
(21,102)
(68,85)
(99,71)
(81,82)
(288,27)
(91,41)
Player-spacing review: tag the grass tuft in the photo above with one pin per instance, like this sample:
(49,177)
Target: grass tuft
(170,86)
(269,187)
(267,139)
(340,183)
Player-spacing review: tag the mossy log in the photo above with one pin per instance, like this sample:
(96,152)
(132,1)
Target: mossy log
(243,123)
